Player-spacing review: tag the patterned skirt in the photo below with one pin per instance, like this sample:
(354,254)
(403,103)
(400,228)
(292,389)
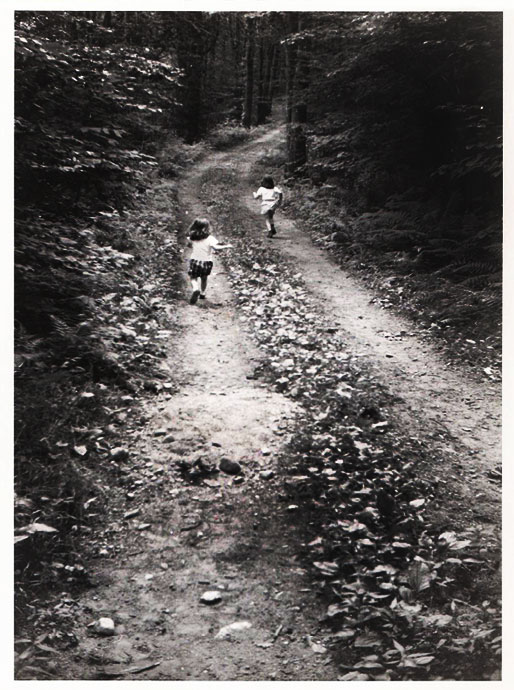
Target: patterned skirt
(199,269)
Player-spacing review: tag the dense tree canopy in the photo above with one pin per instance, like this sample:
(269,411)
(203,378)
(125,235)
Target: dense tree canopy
(399,114)
(412,93)
(406,123)
(88,107)
(394,99)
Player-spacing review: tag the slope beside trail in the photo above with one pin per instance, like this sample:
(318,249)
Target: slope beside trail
(229,533)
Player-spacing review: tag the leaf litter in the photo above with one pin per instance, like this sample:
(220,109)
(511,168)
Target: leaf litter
(390,572)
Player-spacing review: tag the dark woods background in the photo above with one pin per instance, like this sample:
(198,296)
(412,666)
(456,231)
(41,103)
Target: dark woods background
(386,101)
(393,151)
(400,112)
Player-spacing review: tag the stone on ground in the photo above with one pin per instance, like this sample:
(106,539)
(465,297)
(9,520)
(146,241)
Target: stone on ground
(211,598)
(229,466)
(228,630)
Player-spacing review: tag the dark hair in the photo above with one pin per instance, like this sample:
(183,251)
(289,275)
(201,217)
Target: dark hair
(199,229)
(267,181)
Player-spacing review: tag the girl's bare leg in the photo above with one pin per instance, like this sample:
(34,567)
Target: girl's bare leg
(195,284)
(203,286)
(270,224)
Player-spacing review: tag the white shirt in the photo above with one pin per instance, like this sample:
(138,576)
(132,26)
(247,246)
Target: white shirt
(268,194)
(202,249)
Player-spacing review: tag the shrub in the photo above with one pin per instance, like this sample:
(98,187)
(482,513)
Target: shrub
(174,156)
(228,135)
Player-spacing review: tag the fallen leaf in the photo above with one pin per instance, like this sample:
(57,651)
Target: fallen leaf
(236,627)
(354,675)
(326,567)
(368,640)
(20,537)
(38,527)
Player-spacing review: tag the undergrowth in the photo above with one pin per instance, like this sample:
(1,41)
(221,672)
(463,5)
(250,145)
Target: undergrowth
(81,371)
(228,135)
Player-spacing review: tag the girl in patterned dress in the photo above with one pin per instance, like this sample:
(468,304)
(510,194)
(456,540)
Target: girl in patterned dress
(200,262)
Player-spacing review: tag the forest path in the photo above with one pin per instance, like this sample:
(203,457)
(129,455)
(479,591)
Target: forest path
(438,402)
(430,393)
(232,534)
(224,533)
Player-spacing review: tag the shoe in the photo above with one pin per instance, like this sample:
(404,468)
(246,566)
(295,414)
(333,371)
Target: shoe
(202,296)
(194,297)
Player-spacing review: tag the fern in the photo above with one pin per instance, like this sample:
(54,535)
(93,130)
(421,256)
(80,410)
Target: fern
(60,327)
(475,268)
(495,250)
(478,282)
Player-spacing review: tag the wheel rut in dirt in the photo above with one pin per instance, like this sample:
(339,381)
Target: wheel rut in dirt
(428,391)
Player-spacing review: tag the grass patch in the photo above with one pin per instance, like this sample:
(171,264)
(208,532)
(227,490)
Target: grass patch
(175,156)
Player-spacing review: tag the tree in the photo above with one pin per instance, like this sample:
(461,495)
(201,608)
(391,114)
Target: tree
(249,63)
(297,93)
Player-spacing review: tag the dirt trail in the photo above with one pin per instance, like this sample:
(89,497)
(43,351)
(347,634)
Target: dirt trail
(227,534)
(432,398)
(223,535)
(428,391)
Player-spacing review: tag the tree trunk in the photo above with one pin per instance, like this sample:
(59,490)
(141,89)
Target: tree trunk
(261,100)
(290,70)
(250,49)
(297,109)
(271,76)
(187,38)
(291,50)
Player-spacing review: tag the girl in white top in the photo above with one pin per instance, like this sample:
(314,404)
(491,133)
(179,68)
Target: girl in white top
(271,198)
(200,262)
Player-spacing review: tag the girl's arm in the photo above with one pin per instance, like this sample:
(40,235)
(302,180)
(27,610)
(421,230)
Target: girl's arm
(258,193)
(278,198)
(216,245)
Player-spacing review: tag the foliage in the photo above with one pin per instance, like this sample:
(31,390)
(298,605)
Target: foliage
(76,385)
(174,156)
(228,135)
(84,113)
(413,92)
